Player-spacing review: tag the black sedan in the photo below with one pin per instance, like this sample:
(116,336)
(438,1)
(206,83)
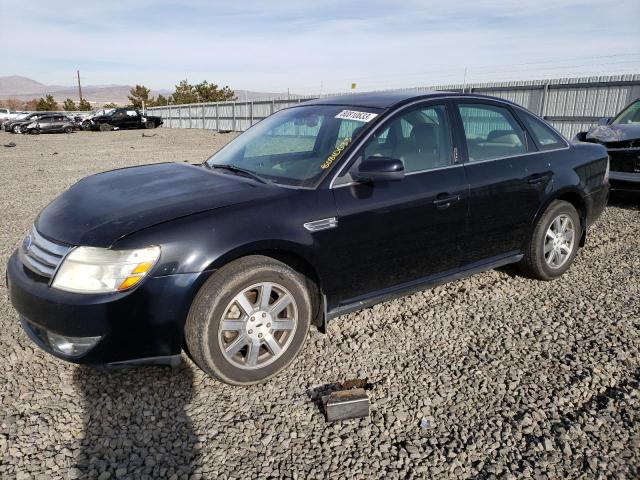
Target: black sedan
(621,136)
(319,210)
(122,119)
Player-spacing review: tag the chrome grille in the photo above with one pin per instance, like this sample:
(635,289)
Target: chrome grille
(40,255)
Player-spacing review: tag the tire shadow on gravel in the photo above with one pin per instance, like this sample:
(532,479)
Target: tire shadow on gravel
(135,423)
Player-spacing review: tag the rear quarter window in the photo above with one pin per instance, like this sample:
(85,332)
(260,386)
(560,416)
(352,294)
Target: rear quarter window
(544,136)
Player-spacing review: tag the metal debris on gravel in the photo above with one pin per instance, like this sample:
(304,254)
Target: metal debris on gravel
(518,378)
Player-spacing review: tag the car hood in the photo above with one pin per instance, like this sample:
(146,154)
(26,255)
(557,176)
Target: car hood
(22,120)
(102,208)
(614,133)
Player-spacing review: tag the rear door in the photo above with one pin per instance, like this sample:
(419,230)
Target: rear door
(507,179)
(393,233)
(57,123)
(45,123)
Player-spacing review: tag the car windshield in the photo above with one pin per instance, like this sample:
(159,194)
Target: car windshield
(631,114)
(295,146)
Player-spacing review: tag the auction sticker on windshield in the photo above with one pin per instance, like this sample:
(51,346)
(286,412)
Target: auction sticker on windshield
(357,116)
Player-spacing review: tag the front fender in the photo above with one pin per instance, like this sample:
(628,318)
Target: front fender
(208,240)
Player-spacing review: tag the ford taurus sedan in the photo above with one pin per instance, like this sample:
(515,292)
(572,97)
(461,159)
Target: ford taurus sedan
(321,209)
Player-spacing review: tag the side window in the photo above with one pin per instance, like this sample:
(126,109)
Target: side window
(546,138)
(419,137)
(132,113)
(491,132)
(119,115)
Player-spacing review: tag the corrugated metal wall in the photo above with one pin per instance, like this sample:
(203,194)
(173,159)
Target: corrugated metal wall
(570,104)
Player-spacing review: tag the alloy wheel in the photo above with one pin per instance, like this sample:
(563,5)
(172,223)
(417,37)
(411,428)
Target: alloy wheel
(258,325)
(559,241)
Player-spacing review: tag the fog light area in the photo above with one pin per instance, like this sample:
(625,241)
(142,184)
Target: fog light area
(71,346)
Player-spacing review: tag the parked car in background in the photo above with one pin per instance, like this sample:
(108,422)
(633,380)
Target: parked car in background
(15,125)
(621,136)
(86,119)
(55,123)
(5,114)
(318,210)
(124,118)
(12,116)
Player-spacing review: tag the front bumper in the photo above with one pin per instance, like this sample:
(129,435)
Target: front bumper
(624,181)
(144,323)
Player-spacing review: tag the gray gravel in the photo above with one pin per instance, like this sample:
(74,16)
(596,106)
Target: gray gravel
(512,377)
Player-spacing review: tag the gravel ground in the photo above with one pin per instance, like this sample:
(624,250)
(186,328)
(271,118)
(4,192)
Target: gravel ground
(515,378)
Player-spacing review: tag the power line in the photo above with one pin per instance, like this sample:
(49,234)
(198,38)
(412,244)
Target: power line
(472,73)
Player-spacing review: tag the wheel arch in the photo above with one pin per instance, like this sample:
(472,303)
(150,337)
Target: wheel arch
(290,254)
(573,196)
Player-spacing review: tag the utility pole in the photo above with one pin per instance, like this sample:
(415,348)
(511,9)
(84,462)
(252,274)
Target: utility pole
(464,81)
(79,86)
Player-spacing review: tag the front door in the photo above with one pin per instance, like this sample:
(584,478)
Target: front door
(507,180)
(401,231)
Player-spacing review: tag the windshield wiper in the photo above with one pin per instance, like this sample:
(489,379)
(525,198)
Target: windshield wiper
(236,169)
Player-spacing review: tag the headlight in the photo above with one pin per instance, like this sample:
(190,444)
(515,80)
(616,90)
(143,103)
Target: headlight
(100,270)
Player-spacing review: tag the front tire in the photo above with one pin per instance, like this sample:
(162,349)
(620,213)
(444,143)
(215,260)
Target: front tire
(149,125)
(105,127)
(68,129)
(249,320)
(554,243)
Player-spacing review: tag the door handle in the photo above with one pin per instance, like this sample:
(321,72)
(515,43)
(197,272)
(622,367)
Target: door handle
(445,200)
(535,179)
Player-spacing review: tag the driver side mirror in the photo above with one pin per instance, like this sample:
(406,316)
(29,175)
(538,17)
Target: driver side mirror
(379,169)
(604,121)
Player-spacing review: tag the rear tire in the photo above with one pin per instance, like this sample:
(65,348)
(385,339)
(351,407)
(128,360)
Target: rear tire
(149,124)
(105,127)
(68,129)
(34,131)
(236,331)
(554,243)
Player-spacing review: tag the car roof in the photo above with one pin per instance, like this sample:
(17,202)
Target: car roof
(391,99)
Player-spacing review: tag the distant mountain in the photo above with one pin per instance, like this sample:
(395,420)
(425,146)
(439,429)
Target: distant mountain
(23,88)
(16,85)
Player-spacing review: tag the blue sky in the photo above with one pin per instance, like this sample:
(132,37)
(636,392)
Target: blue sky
(313,47)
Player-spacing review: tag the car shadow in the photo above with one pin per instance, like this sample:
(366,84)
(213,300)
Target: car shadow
(626,201)
(135,423)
